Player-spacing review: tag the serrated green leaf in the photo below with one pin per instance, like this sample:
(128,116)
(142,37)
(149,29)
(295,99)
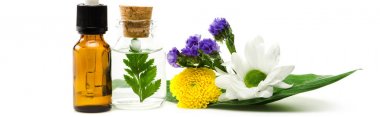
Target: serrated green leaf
(301,83)
(126,62)
(130,72)
(140,75)
(142,58)
(131,58)
(151,89)
(148,75)
(133,82)
(148,64)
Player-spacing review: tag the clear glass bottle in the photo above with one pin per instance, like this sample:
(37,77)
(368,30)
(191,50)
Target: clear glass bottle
(138,63)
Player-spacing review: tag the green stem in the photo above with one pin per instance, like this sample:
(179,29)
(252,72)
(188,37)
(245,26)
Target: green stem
(230,40)
(140,90)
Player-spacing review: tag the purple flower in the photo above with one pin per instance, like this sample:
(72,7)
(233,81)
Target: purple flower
(193,41)
(190,51)
(172,57)
(218,26)
(208,46)
(222,32)
(192,46)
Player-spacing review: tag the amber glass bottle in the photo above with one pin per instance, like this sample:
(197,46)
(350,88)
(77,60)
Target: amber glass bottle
(92,80)
(92,61)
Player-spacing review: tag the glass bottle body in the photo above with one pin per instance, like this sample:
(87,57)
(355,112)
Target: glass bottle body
(92,74)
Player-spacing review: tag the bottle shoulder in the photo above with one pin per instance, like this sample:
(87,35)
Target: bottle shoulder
(91,44)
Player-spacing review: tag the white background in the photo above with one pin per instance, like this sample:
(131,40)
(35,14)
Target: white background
(317,36)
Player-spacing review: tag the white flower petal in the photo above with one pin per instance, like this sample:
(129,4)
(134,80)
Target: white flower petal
(261,59)
(271,56)
(230,70)
(266,93)
(282,85)
(235,89)
(219,71)
(223,97)
(262,85)
(231,94)
(244,93)
(255,58)
(278,74)
(225,81)
(229,67)
(254,51)
(229,63)
(238,65)
(240,91)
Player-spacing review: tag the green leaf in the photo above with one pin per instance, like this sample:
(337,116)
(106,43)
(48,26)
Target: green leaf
(301,83)
(140,75)
(230,40)
(169,96)
(218,61)
(151,89)
(206,60)
(148,75)
(147,64)
(188,61)
(133,82)
(130,72)
(126,62)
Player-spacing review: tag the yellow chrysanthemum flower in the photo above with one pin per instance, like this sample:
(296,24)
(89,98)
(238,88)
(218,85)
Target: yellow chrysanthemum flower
(195,88)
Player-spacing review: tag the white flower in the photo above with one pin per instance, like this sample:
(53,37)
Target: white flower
(256,74)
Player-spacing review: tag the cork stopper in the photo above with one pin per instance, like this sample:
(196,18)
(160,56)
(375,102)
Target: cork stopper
(136,21)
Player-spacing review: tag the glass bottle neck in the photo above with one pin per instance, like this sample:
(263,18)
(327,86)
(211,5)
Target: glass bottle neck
(92,37)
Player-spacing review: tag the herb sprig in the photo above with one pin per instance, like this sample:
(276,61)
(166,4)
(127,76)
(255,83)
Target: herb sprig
(140,75)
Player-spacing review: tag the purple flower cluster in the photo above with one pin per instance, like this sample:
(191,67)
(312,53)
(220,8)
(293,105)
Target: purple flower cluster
(218,26)
(193,41)
(204,52)
(222,32)
(208,46)
(194,45)
(172,57)
(190,51)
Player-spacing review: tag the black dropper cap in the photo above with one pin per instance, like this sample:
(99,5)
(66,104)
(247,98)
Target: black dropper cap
(92,19)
